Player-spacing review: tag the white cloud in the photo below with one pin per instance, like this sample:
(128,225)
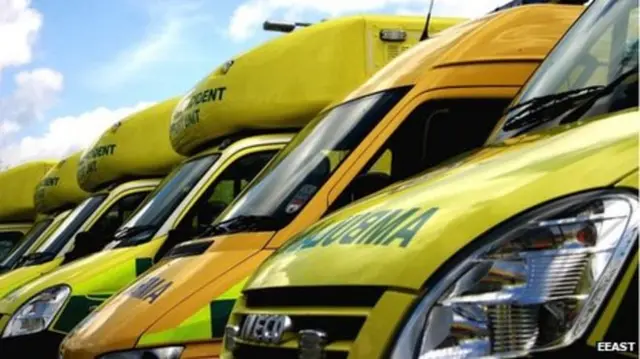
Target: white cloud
(247,17)
(65,135)
(35,92)
(165,39)
(19,25)
(8,127)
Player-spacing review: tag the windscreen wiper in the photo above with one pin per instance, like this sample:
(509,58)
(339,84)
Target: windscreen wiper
(243,223)
(529,110)
(131,231)
(126,233)
(529,117)
(612,86)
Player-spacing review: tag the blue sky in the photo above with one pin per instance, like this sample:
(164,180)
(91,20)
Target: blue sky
(70,68)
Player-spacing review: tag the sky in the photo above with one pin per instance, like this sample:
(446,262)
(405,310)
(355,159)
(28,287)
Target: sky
(69,69)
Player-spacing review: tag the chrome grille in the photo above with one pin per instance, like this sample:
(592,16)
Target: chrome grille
(338,312)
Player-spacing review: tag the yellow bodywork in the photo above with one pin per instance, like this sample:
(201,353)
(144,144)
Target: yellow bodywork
(18,277)
(281,110)
(196,292)
(447,209)
(56,193)
(134,147)
(17,206)
(17,186)
(469,197)
(59,188)
(250,91)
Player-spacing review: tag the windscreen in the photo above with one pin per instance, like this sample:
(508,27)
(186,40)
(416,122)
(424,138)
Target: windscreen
(293,177)
(29,239)
(594,66)
(68,228)
(163,201)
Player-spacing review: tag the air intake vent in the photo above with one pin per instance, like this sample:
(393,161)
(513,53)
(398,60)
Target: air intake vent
(189,249)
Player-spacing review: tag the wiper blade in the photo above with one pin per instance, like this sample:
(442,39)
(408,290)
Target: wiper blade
(592,93)
(130,231)
(529,109)
(243,223)
(124,237)
(611,87)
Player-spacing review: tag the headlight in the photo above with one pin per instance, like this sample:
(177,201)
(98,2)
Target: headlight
(36,314)
(158,353)
(531,285)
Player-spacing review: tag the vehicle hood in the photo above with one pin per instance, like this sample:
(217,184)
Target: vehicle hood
(105,272)
(123,319)
(430,218)
(10,281)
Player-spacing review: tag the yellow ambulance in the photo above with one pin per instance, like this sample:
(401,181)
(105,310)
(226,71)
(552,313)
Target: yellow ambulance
(230,131)
(411,115)
(56,194)
(119,170)
(527,247)
(17,209)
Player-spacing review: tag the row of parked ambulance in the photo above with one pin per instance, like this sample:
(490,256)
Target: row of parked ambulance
(364,187)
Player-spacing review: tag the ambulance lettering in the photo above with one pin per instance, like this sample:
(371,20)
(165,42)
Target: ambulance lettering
(41,189)
(101,151)
(208,95)
(378,228)
(50,182)
(88,164)
(190,115)
(150,289)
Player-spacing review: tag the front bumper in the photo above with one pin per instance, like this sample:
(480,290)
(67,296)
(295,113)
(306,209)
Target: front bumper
(201,350)
(43,345)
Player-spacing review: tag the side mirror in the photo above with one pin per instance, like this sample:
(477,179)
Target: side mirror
(86,243)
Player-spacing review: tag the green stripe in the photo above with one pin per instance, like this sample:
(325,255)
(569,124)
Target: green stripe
(76,309)
(220,312)
(142,264)
(196,327)
(208,322)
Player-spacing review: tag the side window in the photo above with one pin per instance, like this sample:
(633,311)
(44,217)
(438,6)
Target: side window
(223,190)
(115,216)
(434,132)
(8,240)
